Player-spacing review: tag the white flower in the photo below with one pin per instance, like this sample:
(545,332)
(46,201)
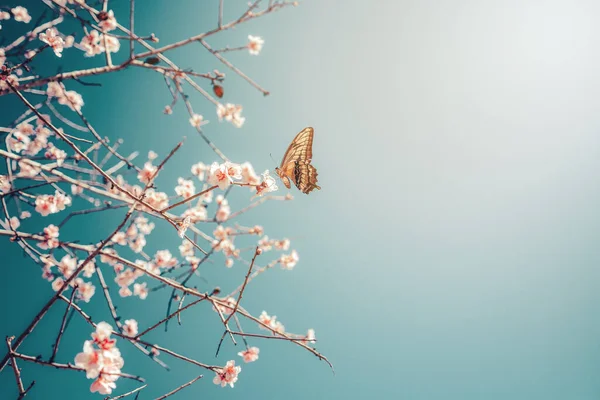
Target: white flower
(21,15)
(52,38)
(231,113)
(255,44)
(197,121)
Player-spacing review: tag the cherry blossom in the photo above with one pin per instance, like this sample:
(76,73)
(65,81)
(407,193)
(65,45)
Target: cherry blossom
(185,188)
(130,327)
(140,290)
(267,320)
(310,337)
(18,142)
(231,113)
(289,261)
(54,153)
(91,44)
(51,238)
(72,99)
(197,121)
(248,174)
(107,21)
(48,204)
(4,16)
(20,14)
(228,375)
(268,184)
(255,44)
(52,38)
(183,227)
(219,175)
(199,170)
(111,43)
(147,172)
(250,355)
(85,290)
(101,360)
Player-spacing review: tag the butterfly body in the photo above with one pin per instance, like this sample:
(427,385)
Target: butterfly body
(296,166)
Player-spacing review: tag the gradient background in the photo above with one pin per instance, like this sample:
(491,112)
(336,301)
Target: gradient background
(453,251)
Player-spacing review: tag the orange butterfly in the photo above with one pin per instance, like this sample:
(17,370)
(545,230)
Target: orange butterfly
(296,163)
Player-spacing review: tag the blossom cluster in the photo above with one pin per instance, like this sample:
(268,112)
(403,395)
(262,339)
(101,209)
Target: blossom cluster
(101,360)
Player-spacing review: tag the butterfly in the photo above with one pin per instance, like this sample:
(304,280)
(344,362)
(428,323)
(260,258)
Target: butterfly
(296,163)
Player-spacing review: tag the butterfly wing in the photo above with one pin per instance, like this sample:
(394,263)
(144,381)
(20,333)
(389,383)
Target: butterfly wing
(296,163)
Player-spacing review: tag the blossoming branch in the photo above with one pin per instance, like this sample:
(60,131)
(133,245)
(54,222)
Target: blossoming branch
(57,165)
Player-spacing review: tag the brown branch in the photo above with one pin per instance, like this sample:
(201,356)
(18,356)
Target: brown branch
(179,388)
(62,325)
(127,394)
(15,367)
(73,367)
(233,67)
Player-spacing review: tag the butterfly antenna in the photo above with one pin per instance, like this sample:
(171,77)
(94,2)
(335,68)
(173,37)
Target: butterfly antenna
(272,158)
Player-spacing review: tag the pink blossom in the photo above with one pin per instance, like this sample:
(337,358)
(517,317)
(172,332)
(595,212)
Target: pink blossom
(248,174)
(310,336)
(164,258)
(140,290)
(219,175)
(20,14)
(186,249)
(91,44)
(226,309)
(13,223)
(228,375)
(185,188)
(289,261)
(67,265)
(184,225)
(158,200)
(255,44)
(57,284)
(197,121)
(231,113)
(119,238)
(28,170)
(250,355)
(282,244)
(268,184)
(52,38)
(168,110)
(266,319)
(108,23)
(75,190)
(47,204)
(147,172)
(5,185)
(145,227)
(199,170)
(18,141)
(111,43)
(90,360)
(12,79)
(4,15)
(51,238)
(85,290)
(54,153)
(138,244)
(130,327)
(72,99)
(104,384)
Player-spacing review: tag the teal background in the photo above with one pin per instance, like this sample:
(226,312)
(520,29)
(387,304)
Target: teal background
(453,250)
